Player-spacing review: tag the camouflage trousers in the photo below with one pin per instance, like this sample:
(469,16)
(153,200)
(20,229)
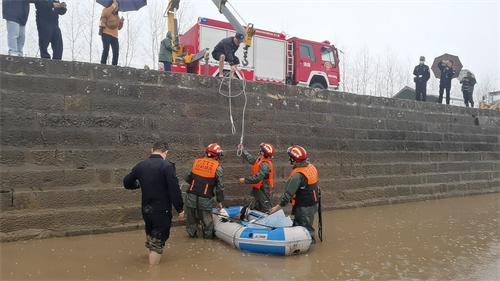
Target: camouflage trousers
(199,213)
(304,216)
(262,200)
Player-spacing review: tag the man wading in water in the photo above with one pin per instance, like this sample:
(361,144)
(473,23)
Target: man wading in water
(158,182)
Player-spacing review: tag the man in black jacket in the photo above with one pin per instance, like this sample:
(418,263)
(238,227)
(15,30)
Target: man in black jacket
(160,190)
(422,75)
(15,13)
(447,73)
(468,83)
(225,51)
(47,23)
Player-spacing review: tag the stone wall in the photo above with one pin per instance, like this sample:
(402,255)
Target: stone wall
(70,131)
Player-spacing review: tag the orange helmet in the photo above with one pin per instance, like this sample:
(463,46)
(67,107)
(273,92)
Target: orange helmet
(214,150)
(267,149)
(297,153)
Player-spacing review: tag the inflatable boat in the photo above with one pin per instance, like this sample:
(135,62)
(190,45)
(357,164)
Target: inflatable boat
(260,232)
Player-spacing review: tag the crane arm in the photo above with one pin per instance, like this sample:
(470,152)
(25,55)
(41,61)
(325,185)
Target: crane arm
(173,5)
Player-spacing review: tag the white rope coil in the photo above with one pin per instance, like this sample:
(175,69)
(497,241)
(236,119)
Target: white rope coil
(230,96)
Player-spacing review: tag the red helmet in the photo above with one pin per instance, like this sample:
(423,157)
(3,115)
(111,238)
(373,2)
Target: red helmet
(267,149)
(297,153)
(214,150)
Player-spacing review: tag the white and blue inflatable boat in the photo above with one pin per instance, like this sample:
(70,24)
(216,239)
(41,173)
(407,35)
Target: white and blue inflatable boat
(261,233)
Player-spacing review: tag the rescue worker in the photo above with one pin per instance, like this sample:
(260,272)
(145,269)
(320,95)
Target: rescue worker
(156,177)
(205,183)
(225,51)
(47,23)
(301,189)
(262,176)
(468,83)
(422,75)
(447,73)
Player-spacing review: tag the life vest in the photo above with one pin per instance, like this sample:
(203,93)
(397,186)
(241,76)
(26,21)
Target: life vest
(269,178)
(306,195)
(204,172)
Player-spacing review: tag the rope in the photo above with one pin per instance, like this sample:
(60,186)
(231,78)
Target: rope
(230,96)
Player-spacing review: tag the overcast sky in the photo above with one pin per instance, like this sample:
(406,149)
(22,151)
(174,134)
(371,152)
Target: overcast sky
(408,29)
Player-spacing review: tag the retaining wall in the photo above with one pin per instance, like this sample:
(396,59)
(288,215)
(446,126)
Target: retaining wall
(70,131)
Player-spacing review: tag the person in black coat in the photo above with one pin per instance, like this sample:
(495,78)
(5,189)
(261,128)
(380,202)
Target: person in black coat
(15,13)
(422,75)
(225,51)
(468,83)
(447,73)
(156,177)
(47,23)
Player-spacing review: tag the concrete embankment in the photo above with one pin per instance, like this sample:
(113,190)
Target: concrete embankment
(70,131)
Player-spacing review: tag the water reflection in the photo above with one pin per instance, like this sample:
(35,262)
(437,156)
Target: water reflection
(451,239)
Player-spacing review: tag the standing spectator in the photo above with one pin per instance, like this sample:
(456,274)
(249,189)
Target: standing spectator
(47,23)
(165,55)
(15,13)
(468,83)
(108,29)
(447,73)
(422,75)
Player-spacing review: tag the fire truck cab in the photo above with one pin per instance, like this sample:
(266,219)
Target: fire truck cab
(312,64)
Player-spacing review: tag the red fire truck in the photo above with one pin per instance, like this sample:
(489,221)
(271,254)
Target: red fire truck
(271,58)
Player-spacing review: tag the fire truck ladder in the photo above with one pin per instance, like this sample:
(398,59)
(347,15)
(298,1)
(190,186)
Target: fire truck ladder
(289,61)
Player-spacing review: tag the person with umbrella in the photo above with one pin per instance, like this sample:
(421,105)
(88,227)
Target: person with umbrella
(108,29)
(422,75)
(447,73)
(468,80)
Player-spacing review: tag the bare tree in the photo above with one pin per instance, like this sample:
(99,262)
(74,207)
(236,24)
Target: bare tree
(390,69)
(73,29)
(91,29)
(158,28)
(482,89)
(365,67)
(131,34)
(185,18)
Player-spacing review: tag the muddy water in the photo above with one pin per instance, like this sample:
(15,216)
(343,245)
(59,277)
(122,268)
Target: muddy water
(451,239)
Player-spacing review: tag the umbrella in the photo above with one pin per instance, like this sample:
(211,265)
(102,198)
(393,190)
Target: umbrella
(457,65)
(125,5)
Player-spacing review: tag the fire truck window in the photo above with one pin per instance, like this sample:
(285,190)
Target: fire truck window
(327,55)
(306,51)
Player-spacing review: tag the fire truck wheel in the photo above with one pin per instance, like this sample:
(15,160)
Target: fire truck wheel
(317,85)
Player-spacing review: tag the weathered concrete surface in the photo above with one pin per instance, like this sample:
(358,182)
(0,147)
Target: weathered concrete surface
(70,131)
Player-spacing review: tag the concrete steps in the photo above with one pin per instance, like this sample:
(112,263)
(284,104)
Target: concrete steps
(19,118)
(42,178)
(71,131)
